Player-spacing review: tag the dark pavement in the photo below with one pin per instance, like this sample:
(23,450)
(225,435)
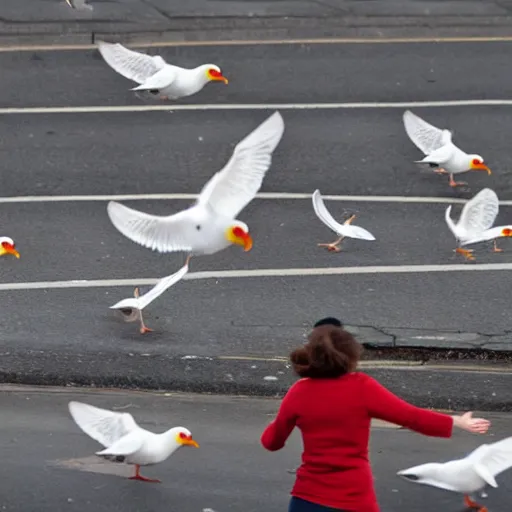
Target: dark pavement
(298,73)
(49,464)
(347,152)
(71,335)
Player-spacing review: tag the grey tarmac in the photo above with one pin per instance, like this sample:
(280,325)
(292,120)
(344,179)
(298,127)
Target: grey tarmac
(49,464)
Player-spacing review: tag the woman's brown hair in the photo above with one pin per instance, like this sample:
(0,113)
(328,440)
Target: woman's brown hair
(330,352)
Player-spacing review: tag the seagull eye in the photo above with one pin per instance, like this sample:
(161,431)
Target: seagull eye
(214,73)
(183,435)
(476,161)
(238,232)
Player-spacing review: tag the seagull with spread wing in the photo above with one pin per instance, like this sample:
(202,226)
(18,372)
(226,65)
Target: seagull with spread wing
(440,152)
(131,308)
(342,230)
(210,225)
(466,476)
(155,75)
(126,442)
(475,222)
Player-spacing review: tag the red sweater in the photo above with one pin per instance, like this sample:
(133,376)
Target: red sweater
(334,416)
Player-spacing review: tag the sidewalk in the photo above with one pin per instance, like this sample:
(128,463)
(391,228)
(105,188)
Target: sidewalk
(54,22)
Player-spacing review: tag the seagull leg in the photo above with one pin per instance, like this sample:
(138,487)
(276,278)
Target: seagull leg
(138,476)
(496,248)
(473,504)
(453,183)
(440,170)
(467,253)
(187,262)
(333,247)
(143,328)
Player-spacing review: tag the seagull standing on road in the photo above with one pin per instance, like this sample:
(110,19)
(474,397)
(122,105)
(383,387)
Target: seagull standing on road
(210,225)
(342,230)
(155,75)
(125,441)
(441,153)
(7,246)
(475,223)
(131,308)
(466,476)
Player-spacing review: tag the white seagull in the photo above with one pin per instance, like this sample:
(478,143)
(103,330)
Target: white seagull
(125,441)
(210,225)
(475,223)
(7,246)
(466,476)
(342,230)
(155,75)
(131,308)
(441,153)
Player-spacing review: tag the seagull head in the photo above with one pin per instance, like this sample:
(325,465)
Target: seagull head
(424,474)
(238,233)
(184,437)
(7,246)
(214,74)
(506,231)
(476,163)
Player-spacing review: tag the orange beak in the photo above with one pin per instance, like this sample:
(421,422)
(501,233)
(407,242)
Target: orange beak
(247,242)
(190,442)
(9,249)
(481,167)
(222,78)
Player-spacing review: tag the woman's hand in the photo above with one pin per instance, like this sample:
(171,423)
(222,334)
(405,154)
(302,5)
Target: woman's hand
(470,424)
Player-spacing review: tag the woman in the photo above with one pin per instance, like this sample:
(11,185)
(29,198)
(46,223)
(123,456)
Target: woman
(332,405)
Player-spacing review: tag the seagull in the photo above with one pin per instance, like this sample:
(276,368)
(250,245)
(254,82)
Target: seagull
(210,225)
(153,74)
(7,246)
(342,230)
(125,441)
(441,153)
(466,476)
(132,308)
(475,223)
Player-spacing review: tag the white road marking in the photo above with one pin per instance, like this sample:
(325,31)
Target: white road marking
(270,272)
(250,106)
(261,195)
(256,42)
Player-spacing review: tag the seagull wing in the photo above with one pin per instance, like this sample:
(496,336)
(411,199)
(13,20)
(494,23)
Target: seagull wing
(480,212)
(132,65)
(156,291)
(162,234)
(102,425)
(489,460)
(230,190)
(159,80)
(426,137)
(342,230)
(127,445)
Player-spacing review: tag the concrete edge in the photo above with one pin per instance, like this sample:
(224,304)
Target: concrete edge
(247,30)
(470,386)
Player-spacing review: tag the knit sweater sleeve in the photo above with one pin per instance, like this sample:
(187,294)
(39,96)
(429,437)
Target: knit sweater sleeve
(277,432)
(384,405)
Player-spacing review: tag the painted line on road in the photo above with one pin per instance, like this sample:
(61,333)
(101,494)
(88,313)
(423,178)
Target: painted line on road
(262,195)
(260,42)
(95,109)
(270,272)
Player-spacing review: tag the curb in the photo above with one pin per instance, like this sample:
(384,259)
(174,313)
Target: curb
(454,386)
(246,30)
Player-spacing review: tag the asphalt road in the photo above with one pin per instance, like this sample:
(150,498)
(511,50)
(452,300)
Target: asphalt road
(354,152)
(49,464)
(279,73)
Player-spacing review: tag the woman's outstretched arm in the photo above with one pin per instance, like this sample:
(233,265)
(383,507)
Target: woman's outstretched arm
(384,405)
